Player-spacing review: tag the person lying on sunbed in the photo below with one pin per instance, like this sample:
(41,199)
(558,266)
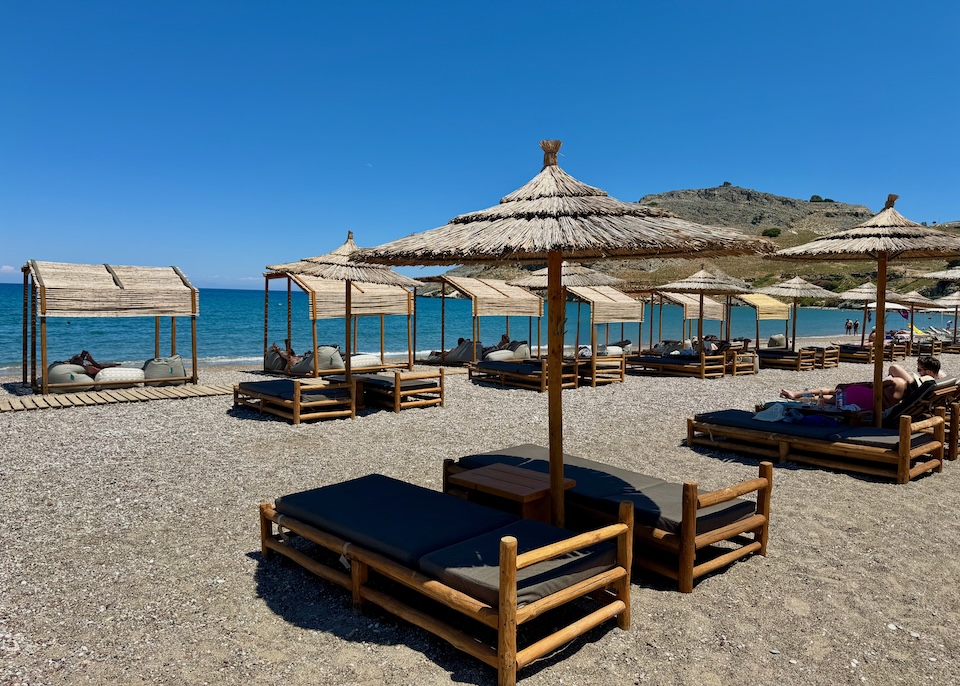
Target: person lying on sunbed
(895,385)
(92,367)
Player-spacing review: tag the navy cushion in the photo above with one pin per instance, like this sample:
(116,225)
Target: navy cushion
(742,419)
(879,438)
(399,520)
(283,389)
(472,566)
(514,367)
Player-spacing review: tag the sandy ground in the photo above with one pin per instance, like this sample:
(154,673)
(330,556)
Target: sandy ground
(130,552)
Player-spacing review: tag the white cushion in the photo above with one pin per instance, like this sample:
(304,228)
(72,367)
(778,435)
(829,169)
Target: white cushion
(522,352)
(131,374)
(364,361)
(329,357)
(495,355)
(613,350)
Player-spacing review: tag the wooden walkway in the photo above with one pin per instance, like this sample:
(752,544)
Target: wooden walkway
(115,395)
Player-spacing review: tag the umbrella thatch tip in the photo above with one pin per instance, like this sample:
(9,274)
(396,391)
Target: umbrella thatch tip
(891,199)
(550,150)
(349,235)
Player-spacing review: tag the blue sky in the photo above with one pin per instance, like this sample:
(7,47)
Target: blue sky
(224,136)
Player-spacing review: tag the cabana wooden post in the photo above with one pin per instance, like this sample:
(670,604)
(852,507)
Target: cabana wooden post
(57,289)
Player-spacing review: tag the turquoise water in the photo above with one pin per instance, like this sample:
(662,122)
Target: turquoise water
(230,328)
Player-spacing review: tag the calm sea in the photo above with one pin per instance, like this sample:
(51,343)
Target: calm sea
(230,328)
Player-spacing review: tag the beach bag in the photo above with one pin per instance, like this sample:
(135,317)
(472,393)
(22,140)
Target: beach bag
(855,394)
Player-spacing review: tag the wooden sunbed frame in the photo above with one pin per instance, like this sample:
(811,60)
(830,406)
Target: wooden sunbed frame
(740,361)
(297,409)
(801,360)
(687,543)
(934,348)
(398,398)
(611,589)
(827,358)
(702,367)
(600,369)
(902,463)
(521,378)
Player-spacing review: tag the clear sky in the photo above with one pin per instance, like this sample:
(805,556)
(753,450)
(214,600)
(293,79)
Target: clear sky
(224,136)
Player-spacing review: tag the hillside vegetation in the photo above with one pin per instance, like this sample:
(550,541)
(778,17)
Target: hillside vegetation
(784,221)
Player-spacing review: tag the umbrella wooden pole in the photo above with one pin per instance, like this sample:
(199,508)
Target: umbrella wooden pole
(266,315)
(911,328)
(956,310)
(443,317)
(878,340)
(793,342)
(290,313)
(700,330)
(555,325)
(348,321)
(863,332)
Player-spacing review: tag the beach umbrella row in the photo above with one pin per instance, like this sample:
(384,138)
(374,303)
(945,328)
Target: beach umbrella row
(796,288)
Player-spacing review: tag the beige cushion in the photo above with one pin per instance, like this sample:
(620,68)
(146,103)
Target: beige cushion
(329,357)
(499,355)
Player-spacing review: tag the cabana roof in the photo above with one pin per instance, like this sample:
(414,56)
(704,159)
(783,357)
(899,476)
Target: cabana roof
(104,290)
(609,305)
(766,306)
(327,298)
(691,305)
(494,297)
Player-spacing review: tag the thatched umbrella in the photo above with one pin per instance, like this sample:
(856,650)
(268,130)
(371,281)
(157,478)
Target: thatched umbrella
(952,300)
(704,283)
(947,301)
(337,266)
(884,237)
(865,293)
(796,288)
(914,299)
(551,218)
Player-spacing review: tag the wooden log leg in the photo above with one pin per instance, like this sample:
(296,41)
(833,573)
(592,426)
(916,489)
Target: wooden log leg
(690,432)
(763,504)
(442,394)
(688,535)
(359,572)
(296,401)
(939,432)
(396,392)
(266,532)
(903,451)
(507,630)
(954,431)
(625,559)
(784,452)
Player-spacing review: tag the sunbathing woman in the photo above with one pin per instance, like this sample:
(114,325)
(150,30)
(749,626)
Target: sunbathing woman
(895,385)
(90,365)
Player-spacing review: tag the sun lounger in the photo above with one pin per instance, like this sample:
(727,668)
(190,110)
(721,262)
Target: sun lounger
(599,369)
(520,373)
(858,354)
(296,400)
(739,361)
(914,448)
(932,347)
(826,358)
(400,390)
(499,572)
(802,360)
(701,366)
(675,527)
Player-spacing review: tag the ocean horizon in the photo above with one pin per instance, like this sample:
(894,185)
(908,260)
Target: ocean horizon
(230,328)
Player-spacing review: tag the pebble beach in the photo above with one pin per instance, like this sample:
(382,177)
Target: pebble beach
(131,552)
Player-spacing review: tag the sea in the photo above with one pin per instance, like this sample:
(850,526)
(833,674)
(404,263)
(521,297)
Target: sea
(230,328)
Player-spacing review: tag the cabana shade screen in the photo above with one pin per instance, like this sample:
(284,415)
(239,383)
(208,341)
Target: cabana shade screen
(691,305)
(766,306)
(495,298)
(327,299)
(608,305)
(57,289)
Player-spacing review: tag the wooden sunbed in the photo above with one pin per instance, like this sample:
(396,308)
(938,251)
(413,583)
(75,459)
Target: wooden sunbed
(296,400)
(701,366)
(828,357)
(915,448)
(599,369)
(679,533)
(739,361)
(933,348)
(802,360)
(496,571)
(400,390)
(530,373)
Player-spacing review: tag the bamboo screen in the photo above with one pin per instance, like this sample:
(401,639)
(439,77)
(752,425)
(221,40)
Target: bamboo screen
(766,307)
(492,297)
(103,290)
(691,305)
(609,304)
(328,298)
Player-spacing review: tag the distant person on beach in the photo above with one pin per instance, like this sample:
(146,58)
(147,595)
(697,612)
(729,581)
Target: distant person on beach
(895,385)
(848,327)
(856,326)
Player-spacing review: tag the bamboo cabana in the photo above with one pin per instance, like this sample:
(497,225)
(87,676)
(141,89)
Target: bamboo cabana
(607,306)
(489,298)
(57,289)
(326,299)
(692,311)
(766,308)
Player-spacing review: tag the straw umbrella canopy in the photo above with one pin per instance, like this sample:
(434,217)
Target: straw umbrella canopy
(337,266)
(884,237)
(914,299)
(552,217)
(952,300)
(864,293)
(947,301)
(796,288)
(704,283)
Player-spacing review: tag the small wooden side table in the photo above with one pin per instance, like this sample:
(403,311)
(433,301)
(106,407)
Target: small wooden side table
(522,491)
